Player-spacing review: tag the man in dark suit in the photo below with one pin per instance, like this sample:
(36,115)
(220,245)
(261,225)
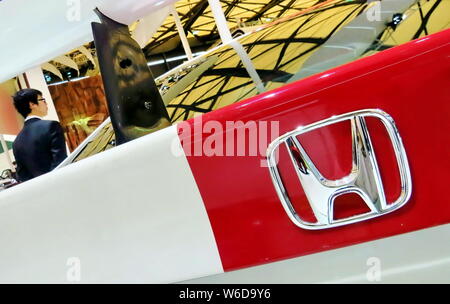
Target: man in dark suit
(40,146)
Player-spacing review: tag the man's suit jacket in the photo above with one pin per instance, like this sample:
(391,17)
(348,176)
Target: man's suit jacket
(39,148)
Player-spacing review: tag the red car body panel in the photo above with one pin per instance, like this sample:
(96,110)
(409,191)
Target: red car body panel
(410,82)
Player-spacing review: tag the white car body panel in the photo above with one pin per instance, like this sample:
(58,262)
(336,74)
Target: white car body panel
(130,214)
(415,257)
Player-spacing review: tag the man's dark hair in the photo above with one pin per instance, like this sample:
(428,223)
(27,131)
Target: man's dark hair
(23,98)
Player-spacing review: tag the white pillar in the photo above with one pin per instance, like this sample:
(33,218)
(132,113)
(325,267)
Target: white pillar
(248,64)
(184,41)
(221,21)
(6,152)
(35,80)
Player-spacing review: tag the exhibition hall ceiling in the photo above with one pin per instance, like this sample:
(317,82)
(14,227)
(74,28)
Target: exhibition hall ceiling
(278,53)
(198,21)
(60,39)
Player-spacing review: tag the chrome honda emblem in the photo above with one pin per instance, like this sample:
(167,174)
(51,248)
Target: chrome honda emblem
(364,178)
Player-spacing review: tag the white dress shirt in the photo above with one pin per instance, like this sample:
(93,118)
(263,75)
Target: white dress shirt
(32,116)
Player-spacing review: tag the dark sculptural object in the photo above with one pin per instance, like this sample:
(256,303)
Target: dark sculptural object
(135,104)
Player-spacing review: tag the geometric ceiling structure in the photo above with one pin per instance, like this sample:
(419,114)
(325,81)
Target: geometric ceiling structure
(199,25)
(424,18)
(279,52)
(198,21)
(270,57)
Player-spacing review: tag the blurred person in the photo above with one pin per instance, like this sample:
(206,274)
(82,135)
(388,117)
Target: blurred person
(40,146)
